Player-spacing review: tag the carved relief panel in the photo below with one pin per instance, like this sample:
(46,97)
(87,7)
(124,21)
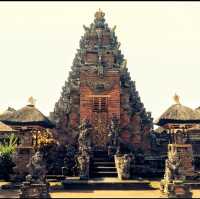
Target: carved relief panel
(91,57)
(99,100)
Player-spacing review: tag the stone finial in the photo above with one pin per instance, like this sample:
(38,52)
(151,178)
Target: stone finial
(99,14)
(31,101)
(177,99)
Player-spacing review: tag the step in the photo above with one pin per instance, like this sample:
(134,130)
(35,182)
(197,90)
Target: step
(104,163)
(96,169)
(104,174)
(103,159)
(57,177)
(106,183)
(100,153)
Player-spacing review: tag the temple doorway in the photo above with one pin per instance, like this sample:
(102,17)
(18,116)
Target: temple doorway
(99,121)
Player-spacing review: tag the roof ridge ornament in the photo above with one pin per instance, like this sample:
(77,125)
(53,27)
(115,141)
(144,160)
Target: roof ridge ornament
(177,99)
(99,15)
(31,101)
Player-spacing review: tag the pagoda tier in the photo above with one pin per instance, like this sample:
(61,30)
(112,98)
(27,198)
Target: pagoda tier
(99,86)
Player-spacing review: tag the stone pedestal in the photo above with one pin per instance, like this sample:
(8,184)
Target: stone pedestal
(34,190)
(176,189)
(123,166)
(185,153)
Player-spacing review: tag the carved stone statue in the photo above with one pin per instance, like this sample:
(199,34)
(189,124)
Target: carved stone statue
(85,133)
(126,166)
(173,178)
(37,168)
(172,167)
(35,185)
(123,164)
(114,132)
(84,142)
(172,170)
(84,161)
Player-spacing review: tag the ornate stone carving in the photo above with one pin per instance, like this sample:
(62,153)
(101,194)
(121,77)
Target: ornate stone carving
(85,134)
(123,164)
(99,53)
(35,185)
(84,154)
(37,168)
(84,162)
(176,173)
(113,134)
(100,85)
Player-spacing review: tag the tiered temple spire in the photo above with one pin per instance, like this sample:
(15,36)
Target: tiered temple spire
(99,51)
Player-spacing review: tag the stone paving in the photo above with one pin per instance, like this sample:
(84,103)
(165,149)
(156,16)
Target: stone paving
(98,193)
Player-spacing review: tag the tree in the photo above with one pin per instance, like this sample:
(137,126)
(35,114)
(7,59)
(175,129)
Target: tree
(6,150)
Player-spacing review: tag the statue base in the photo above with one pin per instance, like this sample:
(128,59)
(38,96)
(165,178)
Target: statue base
(175,189)
(123,167)
(34,190)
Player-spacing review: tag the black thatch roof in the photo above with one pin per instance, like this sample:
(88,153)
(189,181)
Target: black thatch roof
(28,115)
(178,113)
(5,128)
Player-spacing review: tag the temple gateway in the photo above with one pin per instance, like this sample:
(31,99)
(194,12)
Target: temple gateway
(99,88)
(100,103)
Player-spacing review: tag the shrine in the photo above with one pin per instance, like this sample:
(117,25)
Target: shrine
(30,126)
(99,89)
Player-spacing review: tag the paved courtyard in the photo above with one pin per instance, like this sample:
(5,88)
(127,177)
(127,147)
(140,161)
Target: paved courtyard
(99,193)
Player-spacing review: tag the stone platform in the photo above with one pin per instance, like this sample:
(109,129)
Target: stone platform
(105,183)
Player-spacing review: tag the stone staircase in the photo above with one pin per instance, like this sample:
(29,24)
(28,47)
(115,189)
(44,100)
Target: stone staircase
(102,165)
(103,176)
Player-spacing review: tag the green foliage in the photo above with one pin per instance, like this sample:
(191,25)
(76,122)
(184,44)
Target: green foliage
(9,145)
(6,150)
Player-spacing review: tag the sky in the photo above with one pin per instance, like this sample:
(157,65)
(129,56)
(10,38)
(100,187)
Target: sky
(160,40)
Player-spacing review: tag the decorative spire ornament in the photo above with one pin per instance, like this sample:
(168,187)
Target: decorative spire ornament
(99,15)
(31,101)
(177,99)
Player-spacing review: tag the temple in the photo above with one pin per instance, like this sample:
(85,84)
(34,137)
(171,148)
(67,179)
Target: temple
(99,88)
(100,128)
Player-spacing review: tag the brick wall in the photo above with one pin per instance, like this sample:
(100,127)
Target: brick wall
(86,93)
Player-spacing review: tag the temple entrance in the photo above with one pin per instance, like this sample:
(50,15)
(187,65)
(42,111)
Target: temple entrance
(100,121)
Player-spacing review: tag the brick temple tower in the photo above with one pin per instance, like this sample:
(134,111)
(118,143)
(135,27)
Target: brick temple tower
(100,87)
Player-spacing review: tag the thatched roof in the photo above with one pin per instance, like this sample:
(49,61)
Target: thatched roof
(198,109)
(6,114)
(28,115)
(177,113)
(5,128)
(160,130)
